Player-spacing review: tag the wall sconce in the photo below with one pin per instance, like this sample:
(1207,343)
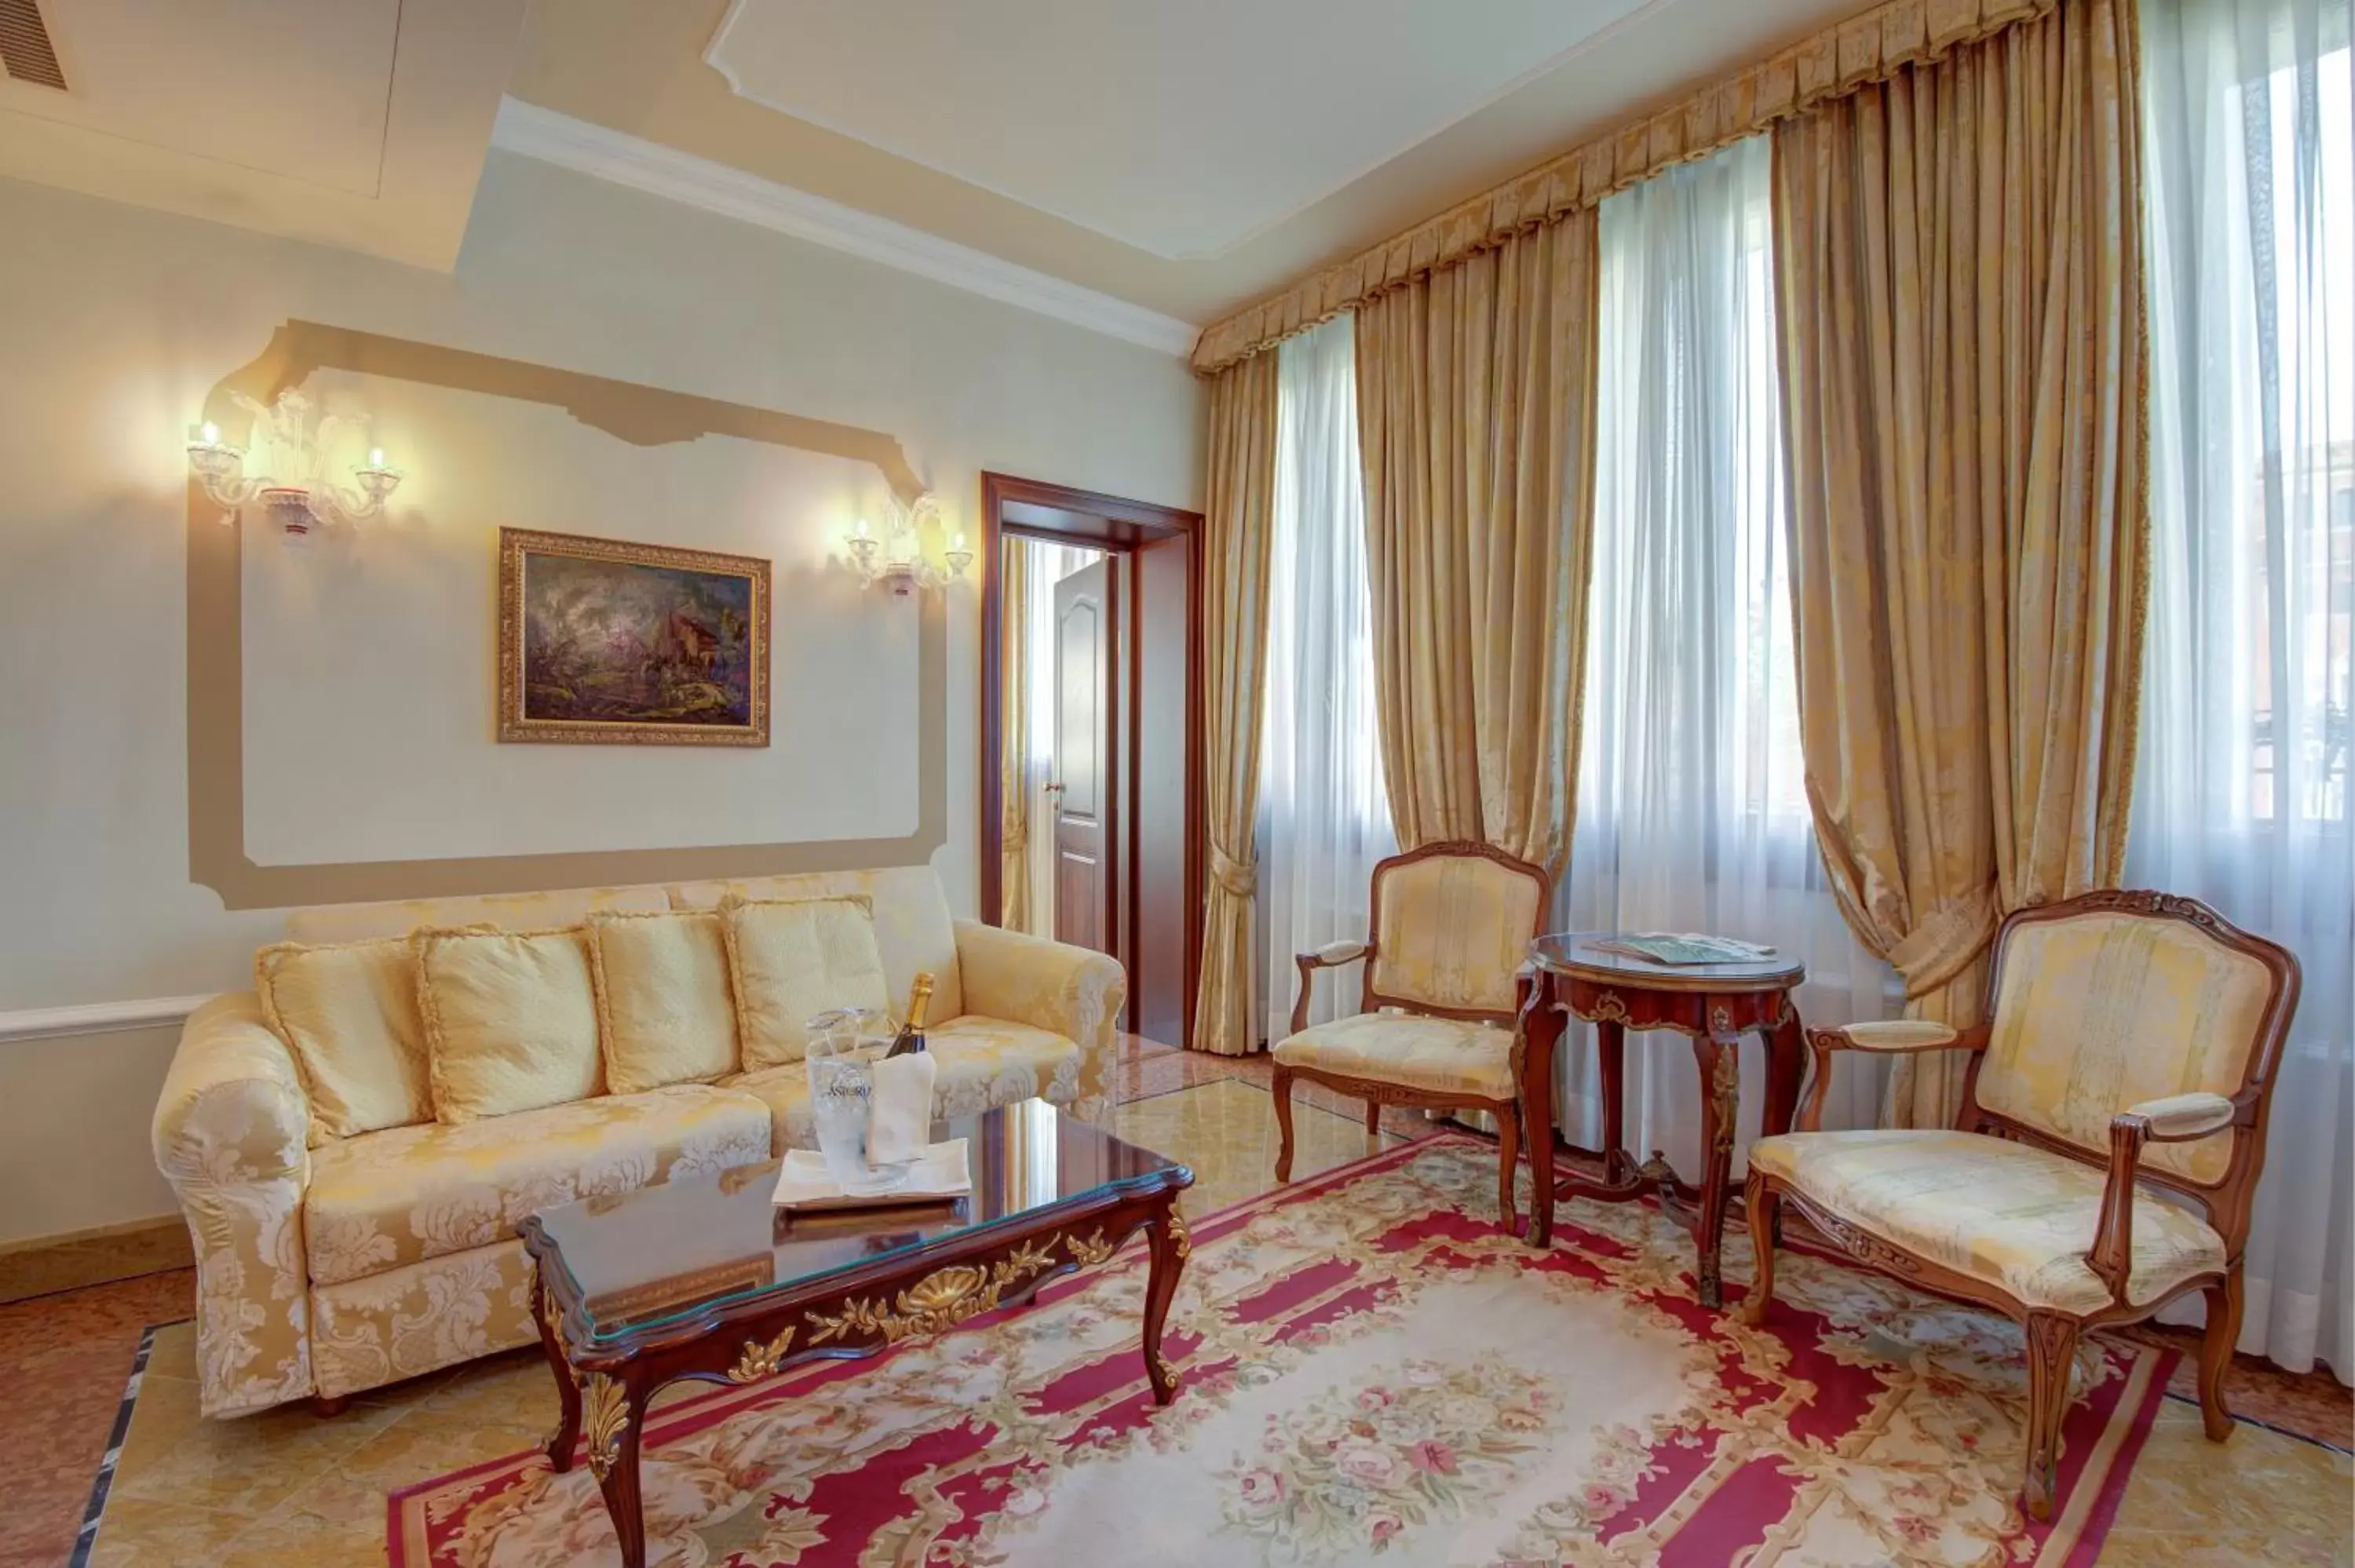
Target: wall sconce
(897,558)
(306,496)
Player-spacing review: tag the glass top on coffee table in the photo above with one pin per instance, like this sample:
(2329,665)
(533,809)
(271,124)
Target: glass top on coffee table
(640,1262)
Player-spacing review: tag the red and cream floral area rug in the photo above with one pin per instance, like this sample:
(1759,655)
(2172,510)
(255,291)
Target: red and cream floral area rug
(1373,1373)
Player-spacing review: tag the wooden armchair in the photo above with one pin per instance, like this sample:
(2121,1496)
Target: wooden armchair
(2130,1044)
(1452,924)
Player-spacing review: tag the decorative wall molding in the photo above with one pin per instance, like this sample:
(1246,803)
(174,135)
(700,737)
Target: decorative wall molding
(643,416)
(96,1017)
(608,154)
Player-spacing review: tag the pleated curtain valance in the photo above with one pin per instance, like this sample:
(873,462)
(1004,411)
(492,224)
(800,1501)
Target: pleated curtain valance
(1863,50)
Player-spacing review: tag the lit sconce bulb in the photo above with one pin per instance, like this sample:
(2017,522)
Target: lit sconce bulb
(211,434)
(960,543)
(862,527)
(375,457)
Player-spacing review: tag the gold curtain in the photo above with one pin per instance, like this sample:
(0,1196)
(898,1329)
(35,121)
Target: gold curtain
(1960,298)
(1476,417)
(1236,526)
(1014,731)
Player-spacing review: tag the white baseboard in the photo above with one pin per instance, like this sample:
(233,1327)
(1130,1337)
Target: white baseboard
(96,1017)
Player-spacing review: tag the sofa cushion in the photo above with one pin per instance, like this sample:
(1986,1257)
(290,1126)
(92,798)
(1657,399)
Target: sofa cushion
(790,960)
(385,1199)
(979,1062)
(665,1012)
(786,1092)
(986,1062)
(348,1011)
(510,1020)
(912,924)
(506,911)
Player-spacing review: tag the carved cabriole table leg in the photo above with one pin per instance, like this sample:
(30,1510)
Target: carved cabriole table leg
(613,1413)
(1719,1058)
(1611,1065)
(559,1443)
(1171,1249)
(1542,1026)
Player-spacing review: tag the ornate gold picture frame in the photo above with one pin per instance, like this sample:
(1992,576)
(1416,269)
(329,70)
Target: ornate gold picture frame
(607,642)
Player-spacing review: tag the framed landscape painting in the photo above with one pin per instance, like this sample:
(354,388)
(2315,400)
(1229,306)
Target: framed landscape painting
(607,642)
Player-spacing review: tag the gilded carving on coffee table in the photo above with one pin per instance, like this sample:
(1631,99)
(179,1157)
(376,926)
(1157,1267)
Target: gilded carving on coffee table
(759,1360)
(606,1413)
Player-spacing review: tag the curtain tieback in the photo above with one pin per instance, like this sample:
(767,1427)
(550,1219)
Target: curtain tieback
(1947,936)
(1238,877)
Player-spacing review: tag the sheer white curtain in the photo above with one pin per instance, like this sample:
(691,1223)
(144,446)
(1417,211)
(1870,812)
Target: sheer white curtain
(1692,812)
(2243,792)
(1047,563)
(1324,817)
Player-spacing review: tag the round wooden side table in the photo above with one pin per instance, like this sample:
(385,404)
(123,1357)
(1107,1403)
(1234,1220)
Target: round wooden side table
(1715,1005)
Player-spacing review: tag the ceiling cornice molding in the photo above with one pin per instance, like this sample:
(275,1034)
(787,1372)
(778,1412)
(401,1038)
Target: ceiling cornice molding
(608,154)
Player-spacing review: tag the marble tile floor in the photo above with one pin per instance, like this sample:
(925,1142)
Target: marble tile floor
(290,1487)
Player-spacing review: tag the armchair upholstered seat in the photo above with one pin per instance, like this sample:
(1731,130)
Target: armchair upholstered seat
(2129,1049)
(1452,926)
(2009,1216)
(1441,1056)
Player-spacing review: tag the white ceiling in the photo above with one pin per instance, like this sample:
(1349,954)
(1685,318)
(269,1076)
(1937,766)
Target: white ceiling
(1184,156)
(360,122)
(326,76)
(1180,129)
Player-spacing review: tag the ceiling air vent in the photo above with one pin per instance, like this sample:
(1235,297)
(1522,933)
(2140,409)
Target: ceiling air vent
(25,46)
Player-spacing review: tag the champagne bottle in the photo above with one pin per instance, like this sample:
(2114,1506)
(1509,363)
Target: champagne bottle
(910,1038)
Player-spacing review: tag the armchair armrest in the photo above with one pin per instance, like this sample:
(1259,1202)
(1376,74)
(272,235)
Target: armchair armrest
(1332,955)
(2173,1119)
(1887,1037)
(1075,991)
(232,1136)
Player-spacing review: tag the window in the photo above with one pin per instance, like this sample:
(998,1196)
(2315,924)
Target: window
(1325,816)
(1692,807)
(2241,790)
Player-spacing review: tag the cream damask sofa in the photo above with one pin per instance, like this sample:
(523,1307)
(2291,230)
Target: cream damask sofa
(326,1264)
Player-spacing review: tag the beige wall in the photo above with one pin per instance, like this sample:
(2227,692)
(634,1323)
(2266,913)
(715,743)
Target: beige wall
(366,674)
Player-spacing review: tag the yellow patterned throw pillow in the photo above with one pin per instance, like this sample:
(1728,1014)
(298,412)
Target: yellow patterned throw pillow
(347,1013)
(792,959)
(511,1020)
(664,1007)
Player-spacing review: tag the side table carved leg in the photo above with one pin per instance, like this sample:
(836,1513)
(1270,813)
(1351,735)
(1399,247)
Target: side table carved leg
(1165,1231)
(1721,1076)
(558,1446)
(1786,1066)
(1541,1024)
(1611,1062)
(614,1409)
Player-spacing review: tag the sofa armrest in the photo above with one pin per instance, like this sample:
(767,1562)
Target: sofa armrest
(1074,991)
(232,1136)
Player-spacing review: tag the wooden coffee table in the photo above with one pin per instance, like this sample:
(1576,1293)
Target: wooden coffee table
(703,1278)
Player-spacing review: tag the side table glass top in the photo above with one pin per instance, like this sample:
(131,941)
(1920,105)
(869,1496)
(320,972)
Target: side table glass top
(1575,953)
(640,1260)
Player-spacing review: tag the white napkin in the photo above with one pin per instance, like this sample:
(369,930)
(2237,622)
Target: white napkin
(940,1170)
(899,1116)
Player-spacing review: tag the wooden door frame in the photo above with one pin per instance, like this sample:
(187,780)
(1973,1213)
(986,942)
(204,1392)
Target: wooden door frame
(1118,526)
